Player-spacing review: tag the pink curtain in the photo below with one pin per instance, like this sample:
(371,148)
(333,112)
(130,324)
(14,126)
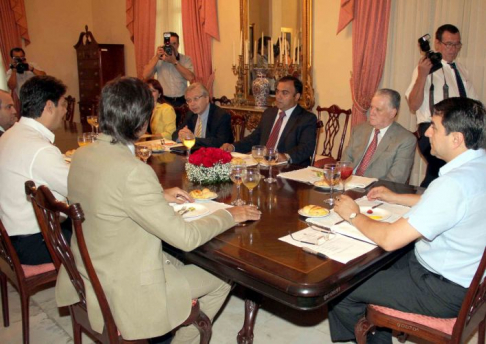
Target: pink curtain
(140,22)
(13,27)
(200,24)
(346,14)
(370,31)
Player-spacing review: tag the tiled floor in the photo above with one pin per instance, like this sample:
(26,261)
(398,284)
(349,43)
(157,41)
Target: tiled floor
(275,323)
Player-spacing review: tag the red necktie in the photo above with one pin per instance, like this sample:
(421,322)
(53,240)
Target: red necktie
(368,155)
(272,140)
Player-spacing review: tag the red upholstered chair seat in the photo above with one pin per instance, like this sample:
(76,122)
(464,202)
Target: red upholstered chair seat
(32,270)
(440,324)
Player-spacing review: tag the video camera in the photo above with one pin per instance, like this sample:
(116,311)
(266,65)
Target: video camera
(167,47)
(434,57)
(20,64)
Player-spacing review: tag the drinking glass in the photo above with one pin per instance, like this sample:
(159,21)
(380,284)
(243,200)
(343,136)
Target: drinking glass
(258,152)
(93,122)
(271,157)
(251,177)
(346,172)
(332,175)
(85,139)
(143,152)
(236,177)
(188,140)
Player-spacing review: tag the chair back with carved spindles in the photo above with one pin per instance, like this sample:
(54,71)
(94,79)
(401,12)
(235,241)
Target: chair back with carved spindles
(332,128)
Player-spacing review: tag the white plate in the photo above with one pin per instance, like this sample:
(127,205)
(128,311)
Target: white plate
(326,187)
(199,210)
(301,212)
(378,214)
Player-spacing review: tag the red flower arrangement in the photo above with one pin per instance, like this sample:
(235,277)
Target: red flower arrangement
(208,157)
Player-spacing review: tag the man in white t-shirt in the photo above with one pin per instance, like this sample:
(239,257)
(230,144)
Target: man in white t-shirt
(27,153)
(20,70)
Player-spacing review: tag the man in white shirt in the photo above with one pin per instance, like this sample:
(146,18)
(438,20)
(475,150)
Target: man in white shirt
(446,223)
(7,111)
(27,153)
(446,83)
(20,70)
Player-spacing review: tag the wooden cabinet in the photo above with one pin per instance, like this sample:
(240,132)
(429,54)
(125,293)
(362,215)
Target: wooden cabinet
(97,64)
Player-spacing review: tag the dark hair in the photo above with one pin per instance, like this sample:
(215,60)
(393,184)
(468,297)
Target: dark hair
(173,34)
(16,50)
(466,116)
(392,95)
(156,85)
(266,41)
(35,93)
(446,27)
(297,83)
(125,107)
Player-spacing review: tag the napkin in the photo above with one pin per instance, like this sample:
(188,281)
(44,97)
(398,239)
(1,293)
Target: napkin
(359,182)
(211,205)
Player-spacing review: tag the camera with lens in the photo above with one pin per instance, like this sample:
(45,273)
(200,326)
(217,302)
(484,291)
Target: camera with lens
(433,56)
(167,47)
(20,65)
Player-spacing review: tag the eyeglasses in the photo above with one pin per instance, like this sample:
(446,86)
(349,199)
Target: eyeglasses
(450,45)
(314,239)
(195,99)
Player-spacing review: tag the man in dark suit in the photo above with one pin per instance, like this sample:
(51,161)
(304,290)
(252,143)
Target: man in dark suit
(295,127)
(210,124)
(7,111)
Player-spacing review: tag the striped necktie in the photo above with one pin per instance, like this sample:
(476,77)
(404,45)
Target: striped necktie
(198,127)
(272,139)
(368,155)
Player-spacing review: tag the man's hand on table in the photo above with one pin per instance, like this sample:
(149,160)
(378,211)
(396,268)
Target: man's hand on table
(177,195)
(345,206)
(245,213)
(228,147)
(184,131)
(381,193)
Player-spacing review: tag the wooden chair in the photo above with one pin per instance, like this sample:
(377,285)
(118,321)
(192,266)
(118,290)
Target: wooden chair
(332,129)
(238,125)
(71,102)
(27,279)
(47,210)
(472,316)
(222,101)
(180,113)
(319,127)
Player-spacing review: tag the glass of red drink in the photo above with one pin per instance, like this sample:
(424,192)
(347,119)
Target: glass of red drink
(346,172)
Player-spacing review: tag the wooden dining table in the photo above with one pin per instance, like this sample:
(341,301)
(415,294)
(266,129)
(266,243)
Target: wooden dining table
(252,255)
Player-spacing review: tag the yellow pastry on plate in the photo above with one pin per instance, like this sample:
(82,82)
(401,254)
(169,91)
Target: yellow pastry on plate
(237,161)
(315,210)
(203,194)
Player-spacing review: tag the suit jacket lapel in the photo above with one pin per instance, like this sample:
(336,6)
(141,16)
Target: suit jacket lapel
(291,122)
(210,120)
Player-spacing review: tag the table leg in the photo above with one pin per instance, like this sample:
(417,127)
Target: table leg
(245,336)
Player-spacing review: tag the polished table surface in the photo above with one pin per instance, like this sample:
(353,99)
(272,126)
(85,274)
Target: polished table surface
(252,255)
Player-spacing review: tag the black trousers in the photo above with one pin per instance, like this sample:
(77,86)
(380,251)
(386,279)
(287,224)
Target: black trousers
(32,249)
(433,164)
(406,286)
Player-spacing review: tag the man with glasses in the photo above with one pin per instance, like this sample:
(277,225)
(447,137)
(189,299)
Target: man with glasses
(173,71)
(287,126)
(426,90)
(210,124)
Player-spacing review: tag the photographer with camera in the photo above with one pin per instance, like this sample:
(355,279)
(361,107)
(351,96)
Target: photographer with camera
(173,69)
(437,77)
(20,70)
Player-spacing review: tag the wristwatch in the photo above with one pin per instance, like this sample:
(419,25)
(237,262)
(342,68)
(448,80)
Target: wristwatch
(352,217)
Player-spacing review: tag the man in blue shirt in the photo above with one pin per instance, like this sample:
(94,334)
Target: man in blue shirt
(446,221)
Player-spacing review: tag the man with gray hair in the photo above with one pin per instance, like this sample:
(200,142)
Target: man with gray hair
(7,111)
(210,124)
(381,148)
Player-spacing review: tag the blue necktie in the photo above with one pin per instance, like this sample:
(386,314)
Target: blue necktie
(460,84)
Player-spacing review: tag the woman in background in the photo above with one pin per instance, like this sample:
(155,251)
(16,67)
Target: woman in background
(163,120)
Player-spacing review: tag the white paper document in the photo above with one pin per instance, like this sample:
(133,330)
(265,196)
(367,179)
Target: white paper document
(396,211)
(339,248)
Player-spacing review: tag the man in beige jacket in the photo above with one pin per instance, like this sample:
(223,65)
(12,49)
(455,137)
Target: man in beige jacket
(128,218)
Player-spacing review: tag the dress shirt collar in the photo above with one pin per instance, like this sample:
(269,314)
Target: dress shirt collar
(1,129)
(30,122)
(461,159)
(288,112)
(131,146)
